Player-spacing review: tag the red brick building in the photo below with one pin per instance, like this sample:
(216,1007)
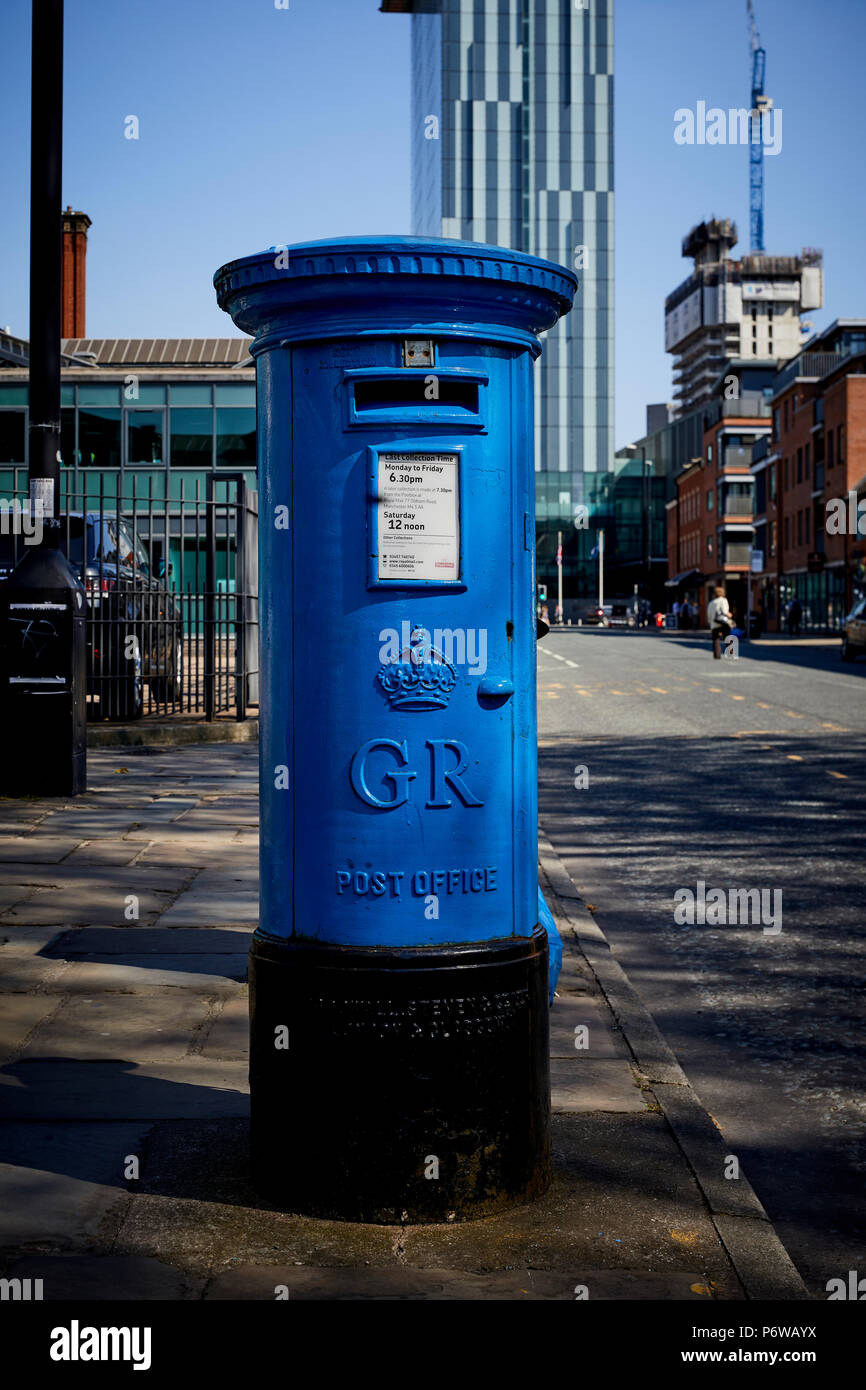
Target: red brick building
(711,520)
(752,511)
(816,453)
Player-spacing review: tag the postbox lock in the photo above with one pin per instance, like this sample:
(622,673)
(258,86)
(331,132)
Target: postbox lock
(418,352)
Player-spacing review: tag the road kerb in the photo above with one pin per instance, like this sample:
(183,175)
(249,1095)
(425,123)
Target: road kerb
(763,1266)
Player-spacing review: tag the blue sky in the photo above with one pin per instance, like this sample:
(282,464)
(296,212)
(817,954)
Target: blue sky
(261,126)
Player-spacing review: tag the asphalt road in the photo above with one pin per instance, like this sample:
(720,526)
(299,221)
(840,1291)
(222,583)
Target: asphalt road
(745,774)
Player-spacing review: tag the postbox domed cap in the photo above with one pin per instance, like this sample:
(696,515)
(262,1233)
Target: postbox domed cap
(358,286)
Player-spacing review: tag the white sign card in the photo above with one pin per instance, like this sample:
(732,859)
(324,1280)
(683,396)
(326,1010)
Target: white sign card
(418,517)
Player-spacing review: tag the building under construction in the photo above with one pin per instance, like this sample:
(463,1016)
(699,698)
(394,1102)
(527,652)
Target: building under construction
(746,309)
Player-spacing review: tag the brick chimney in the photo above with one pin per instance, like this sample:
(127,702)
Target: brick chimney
(75,226)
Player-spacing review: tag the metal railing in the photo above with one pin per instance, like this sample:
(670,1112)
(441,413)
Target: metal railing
(172,591)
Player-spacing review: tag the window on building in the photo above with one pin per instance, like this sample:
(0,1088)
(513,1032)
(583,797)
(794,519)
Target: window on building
(240,393)
(776,424)
(144,443)
(785,415)
(772,537)
(236,436)
(143,393)
(17,395)
(709,453)
(189,394)
(771,487)
(98,395)
(710,500)
(785,467)
(799,528)
(799,465)
(808,522)
(807,461)
(12,436)
(99,437)
(191,436)
(709,545)
(67,438)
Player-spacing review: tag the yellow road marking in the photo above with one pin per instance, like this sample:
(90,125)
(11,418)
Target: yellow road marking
(658,690)
(616,692)
(587,693)
(761,706)
(716,689)
(792,715)
(843,776)
(738,697)
(685,1237)
(794,758)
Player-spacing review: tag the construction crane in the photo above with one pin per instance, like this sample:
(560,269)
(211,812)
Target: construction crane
(760,104)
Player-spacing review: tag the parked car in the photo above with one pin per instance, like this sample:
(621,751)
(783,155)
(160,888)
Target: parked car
(622,613)
(590,615)
(854,632)
(134,626)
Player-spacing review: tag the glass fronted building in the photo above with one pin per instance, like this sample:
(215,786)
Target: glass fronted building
(145,417)
(145,425)
(512,144)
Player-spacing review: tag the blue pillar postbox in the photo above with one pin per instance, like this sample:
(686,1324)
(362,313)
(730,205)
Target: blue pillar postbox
(399,1032)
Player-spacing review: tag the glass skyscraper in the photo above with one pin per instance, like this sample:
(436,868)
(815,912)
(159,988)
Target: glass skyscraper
(512,143)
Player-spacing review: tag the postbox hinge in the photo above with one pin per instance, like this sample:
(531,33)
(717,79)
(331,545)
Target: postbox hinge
(418,352)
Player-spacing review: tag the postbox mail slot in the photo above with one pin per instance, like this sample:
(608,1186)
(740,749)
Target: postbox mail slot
(401,397)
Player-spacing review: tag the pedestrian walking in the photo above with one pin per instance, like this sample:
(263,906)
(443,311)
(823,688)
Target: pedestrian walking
(795,617)
(676,612)
(720,620)
(686,615)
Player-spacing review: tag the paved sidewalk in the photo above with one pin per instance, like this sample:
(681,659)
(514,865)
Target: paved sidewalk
(125,918)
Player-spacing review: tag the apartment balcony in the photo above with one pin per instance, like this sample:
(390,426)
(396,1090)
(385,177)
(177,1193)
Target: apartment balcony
(739,508)
(747,408)
(737,456)
(737,553)
(808,364)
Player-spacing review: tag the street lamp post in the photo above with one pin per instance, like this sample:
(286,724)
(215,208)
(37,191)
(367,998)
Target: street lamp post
(46,165)
(43,607)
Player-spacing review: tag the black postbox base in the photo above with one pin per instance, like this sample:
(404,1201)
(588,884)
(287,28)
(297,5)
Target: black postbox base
(395,1085)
